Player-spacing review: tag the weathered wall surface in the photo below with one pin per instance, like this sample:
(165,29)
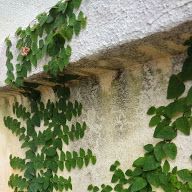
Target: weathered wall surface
(110,22)
(129,78)
(115,106)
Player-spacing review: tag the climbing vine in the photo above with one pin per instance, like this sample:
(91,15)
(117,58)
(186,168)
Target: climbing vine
(46,128)
(43,131)
(153,170)
(50,37)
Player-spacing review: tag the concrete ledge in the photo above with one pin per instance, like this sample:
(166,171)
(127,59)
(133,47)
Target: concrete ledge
(118,32)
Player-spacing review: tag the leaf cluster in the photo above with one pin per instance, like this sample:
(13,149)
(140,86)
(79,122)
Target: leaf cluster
(48,37)
(44,132)
(153,170)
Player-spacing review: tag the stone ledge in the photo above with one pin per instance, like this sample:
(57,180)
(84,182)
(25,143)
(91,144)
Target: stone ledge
(114,27)
(128,55)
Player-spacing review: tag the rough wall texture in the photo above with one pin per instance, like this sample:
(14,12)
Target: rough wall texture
(110,22)
(118,84)
(115,106)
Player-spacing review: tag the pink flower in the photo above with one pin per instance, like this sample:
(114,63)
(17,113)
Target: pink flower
(25,51)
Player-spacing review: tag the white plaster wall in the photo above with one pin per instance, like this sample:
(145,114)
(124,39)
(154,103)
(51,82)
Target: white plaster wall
(115,112)
(110,22)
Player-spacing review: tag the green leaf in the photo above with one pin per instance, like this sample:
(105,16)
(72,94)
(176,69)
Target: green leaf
(93,160)
(30,154)
(189,97)
(170,150)
(51,152)
(185,175)
(150,163)
(67,33)
(77,27)
(164,179)
(139,162)
(36,120)
(33,60)
(154,120)
(17,163)
(113,168)
(135,173)
(41,43)
(118,187)
(81,16)
(151,111)
(166,133)
(76,3)
(119,174)
(10,66)
(159,152)
(82,152)
(182,124)
(8,42)
(129,172)
(62,156)
(61,165)
(42,18)
(117,163)
(10,76)
(87,160)
(68,50)
(68,155)
(18,31)
(175,88)
(57,143)
(72,19)
(89,153)
(50,19)
(61,64)
(90,187)
(68,165)
(83,23)
(95,189)
(173,108)
(62,6)
(153,179)
(148,148)
(114,179)
(166,167)
(53,165)
(186,73)
(138,184)
(73,163)
(65,139)
(80,162)
(16,181)
(18,67)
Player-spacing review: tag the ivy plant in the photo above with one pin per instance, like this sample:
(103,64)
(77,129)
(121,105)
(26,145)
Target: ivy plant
(44,132)
(49,37)
(153,170)
(45,129)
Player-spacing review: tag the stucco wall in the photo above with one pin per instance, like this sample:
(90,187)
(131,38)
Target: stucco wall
(115,108)
(129,78)
(110,22)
